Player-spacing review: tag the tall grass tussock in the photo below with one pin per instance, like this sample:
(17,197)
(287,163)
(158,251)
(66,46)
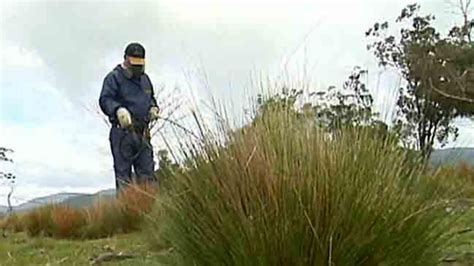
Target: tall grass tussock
(284,192)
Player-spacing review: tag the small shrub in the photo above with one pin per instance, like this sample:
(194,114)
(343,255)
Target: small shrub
(67,222)
(39,221)
(135,203)
(3,223)
(458,179)
(122,215)
(103,219)
(12,222)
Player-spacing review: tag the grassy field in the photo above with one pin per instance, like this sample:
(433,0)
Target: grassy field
(19,249)
(463,254)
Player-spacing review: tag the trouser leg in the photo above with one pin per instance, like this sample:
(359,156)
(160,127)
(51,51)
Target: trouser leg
(122,150)
(144,164)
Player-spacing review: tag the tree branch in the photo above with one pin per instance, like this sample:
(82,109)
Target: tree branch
(458,98)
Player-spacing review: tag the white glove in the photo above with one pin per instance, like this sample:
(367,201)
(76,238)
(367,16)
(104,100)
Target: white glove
(154,113)
(124,117)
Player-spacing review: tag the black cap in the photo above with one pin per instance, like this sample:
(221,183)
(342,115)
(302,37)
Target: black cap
(135,50)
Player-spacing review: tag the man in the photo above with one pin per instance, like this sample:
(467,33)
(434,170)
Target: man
(127,98)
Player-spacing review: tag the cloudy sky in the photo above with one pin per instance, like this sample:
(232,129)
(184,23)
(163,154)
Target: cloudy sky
(55,54)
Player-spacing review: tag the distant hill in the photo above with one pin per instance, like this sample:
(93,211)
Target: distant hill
(453,156)
(85,200)
(3,208)
(71,199)
(38,202)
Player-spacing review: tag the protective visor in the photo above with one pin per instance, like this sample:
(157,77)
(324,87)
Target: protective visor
(136,60)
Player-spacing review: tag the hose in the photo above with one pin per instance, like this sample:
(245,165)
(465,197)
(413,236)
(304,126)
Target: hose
(144,143)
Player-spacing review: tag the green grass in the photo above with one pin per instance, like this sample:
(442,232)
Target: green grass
(463,250)
(19,249)
(28,251)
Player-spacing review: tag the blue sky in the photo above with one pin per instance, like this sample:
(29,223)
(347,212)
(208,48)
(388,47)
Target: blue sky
(54,55)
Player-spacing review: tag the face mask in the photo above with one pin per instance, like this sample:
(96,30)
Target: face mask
(136,71)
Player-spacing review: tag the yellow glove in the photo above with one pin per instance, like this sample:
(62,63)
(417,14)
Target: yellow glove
(124,117)
(154,113)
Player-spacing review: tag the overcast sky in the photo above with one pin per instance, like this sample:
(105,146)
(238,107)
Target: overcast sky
(55,54)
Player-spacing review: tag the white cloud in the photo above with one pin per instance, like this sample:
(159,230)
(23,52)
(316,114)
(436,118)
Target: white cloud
(228,38)
(466,134)
(59,155)
(16,56)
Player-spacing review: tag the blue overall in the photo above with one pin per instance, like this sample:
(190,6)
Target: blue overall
(130,148)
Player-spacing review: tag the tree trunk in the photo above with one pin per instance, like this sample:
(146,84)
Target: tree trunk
(10,208)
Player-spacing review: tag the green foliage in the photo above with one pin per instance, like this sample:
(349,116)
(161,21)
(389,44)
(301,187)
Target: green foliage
(429,65)
(351,106)
(9,177)
(453,64)
(5,158)
(3,154)
(283,192)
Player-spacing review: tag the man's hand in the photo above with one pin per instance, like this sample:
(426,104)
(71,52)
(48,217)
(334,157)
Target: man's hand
(154,113)
(124,117)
